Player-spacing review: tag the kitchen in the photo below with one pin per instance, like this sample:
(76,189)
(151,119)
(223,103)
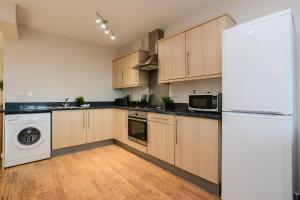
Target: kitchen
(55,62)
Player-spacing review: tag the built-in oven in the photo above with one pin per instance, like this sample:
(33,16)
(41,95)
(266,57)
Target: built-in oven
(210,102)
(137,127)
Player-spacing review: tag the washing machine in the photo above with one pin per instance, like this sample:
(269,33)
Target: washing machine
(27,138)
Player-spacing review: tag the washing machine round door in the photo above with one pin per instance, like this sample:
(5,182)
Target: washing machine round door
(28,136)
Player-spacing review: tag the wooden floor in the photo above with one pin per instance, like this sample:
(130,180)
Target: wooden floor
(105,173)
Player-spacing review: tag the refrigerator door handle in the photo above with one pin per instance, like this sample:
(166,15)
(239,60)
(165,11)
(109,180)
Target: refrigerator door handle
(254,112)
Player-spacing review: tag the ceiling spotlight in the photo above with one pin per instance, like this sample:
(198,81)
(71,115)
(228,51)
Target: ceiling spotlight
(106,31)
(98,20)
(104,24)
(113,37)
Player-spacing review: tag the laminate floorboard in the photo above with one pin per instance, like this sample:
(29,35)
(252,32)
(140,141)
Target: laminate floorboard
(108,172)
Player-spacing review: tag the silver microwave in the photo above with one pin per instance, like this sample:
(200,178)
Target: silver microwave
(210,102)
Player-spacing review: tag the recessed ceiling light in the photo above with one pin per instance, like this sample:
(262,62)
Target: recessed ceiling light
(106,31)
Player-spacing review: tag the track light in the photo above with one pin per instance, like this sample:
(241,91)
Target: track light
(103,24)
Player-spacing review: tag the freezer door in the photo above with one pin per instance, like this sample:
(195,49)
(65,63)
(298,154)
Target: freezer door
(256,157)
(258,60)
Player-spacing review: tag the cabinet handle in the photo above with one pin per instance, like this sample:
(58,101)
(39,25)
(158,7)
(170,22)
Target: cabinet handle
(89,119)
(83,120)
(126,120)
(159,118)
(188,62)
(136,75)
(159,70)
(176,134)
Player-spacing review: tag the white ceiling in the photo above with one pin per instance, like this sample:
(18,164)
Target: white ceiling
(130,19)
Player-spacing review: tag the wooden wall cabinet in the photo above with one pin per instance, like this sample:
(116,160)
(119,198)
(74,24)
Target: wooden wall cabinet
(99,125)
(68,128)
(197,143)
(194,54)
(172,58)
(161,137)
(123,74)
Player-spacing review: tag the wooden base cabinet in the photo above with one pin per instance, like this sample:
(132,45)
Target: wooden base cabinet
(161,138)
(99,125)
(197,143)
(68,128)
(120,125)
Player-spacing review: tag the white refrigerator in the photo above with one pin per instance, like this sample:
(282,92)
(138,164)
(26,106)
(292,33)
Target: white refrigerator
(258,109)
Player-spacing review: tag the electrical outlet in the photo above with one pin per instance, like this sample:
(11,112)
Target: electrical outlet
(296,196)
(29,94)
(21,94)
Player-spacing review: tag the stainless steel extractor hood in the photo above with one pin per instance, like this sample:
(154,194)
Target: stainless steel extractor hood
(151,62)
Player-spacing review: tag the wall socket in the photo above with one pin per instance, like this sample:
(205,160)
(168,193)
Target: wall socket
(296,196)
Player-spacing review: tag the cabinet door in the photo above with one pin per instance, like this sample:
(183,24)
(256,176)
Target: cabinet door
(120,128)
(68,128)
(123,125)
(118,73)
(197,147)
(171,55)
(133,74)
(204,47)
(115,73)
(161,139)
(99,125)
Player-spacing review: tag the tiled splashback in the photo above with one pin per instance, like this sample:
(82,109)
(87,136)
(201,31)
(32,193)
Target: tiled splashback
(181,90)
(136,93)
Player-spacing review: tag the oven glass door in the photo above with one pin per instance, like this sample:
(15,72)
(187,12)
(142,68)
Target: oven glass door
(137,130)
(201,102)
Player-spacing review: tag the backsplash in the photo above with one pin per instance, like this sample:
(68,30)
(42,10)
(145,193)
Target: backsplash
(136,93)
(181,90)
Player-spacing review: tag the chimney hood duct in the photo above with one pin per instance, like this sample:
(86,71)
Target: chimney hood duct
(151,62)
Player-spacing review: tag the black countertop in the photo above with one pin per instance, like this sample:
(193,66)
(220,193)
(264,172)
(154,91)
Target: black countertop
(181,111)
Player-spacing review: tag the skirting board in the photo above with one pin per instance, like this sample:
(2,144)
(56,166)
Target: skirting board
(82,147)
(210,187)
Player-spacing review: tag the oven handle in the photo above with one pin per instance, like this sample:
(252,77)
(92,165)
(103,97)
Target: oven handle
(135,119)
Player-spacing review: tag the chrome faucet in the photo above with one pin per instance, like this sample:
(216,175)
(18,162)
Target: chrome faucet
(65,103)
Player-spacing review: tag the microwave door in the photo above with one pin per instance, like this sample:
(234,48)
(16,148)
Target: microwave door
(200,102)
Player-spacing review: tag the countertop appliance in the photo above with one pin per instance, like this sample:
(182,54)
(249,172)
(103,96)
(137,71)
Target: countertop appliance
(208,102)
(258,109)
(137,127)
(27,138)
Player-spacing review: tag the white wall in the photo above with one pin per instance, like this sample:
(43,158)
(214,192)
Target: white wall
(53,67)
